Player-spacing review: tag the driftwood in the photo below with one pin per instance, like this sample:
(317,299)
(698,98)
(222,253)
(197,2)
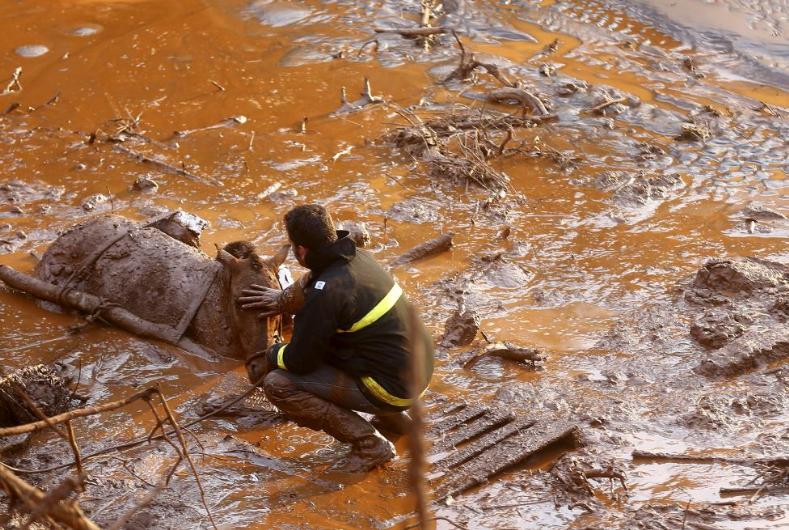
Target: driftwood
(64,512)
(427,249)
(781,461)
(96,306)
(167,168)
(521,95)
(509,352)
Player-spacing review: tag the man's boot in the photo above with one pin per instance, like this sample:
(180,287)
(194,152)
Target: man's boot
(398,423)
(368,448)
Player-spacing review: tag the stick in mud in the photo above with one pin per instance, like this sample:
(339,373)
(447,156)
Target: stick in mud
(509,352)
(415,32)
(599,109)
(427,249)
(13,85)
(67,513)
(521,95)
(167,168)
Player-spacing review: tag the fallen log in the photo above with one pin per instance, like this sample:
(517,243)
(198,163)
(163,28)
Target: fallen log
(94,305)
(65,512)
(427,249)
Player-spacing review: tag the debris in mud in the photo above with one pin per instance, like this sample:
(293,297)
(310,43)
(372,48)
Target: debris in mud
(739,277)
(145,184)
(547,69)
(717,328)
(695,131)
(572,87)
(227,122)
(22,193)
(575,472)
(351,106)
(757,212)
(461,328)
(473,444)
(752,350)
(93,201)
(614,105)
(468,64)
(510,352)
(38,384)
(718,411)
(427,249)
(14,85)
(356,231)
(519,96)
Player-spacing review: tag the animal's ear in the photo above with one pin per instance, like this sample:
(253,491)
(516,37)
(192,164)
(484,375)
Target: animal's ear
(225,258)
(279,258)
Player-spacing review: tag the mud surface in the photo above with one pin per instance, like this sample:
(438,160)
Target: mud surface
(614,177)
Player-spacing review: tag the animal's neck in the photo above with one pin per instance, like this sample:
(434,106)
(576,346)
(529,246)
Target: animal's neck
(250,334)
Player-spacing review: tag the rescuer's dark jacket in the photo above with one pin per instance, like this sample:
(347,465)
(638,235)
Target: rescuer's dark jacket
(349,290)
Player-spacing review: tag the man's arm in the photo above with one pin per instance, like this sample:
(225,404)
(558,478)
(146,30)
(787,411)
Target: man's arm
(316,323)
(275,301)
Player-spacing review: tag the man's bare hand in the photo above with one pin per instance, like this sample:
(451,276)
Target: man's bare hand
(269,301)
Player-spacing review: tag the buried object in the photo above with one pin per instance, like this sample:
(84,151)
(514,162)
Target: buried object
(472,444)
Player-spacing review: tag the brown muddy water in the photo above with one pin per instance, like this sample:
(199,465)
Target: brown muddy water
(619,221)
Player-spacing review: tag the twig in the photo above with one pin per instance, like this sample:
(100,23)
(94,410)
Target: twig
(14,85)
(138,441)
(121,522)
(181,438)
(217,85)
(167,168)
(77,413)
(438,518)
(415,32)
(72,439)
(604,105)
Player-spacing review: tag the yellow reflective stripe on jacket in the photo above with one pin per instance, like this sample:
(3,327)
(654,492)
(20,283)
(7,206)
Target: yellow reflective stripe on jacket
(381,393)
(281,357)
(380,309)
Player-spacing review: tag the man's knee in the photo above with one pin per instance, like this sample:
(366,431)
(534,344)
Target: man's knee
(278,386)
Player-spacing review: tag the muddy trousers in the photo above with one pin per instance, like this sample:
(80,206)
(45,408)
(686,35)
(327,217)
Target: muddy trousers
(325,400)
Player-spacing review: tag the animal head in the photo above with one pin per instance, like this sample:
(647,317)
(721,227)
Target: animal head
(243,267)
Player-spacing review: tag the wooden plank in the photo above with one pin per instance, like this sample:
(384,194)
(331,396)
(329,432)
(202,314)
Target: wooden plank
(479,445)
(480,425)
(451,422)
(509,452)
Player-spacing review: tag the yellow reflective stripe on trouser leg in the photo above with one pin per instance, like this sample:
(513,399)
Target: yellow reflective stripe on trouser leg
(281,357)
(380,309)
(381,393)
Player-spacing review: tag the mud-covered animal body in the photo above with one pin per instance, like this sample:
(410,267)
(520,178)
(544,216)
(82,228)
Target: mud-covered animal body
(164,280)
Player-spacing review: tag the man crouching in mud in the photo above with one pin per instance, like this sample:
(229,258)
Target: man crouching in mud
(350,346)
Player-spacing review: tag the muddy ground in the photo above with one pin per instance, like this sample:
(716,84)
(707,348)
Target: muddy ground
(606,170)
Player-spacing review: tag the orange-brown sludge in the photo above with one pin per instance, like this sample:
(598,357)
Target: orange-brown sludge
(606,211)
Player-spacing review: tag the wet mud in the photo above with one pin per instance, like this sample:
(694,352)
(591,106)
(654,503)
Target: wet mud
(613,175)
